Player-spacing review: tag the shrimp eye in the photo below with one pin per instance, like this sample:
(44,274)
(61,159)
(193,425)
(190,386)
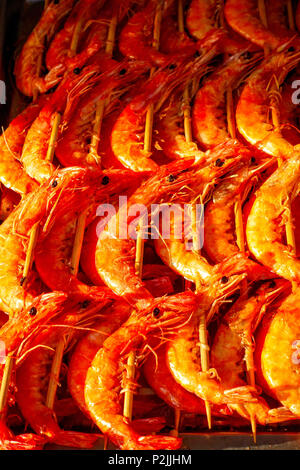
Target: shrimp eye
(123,71)
(246,55)
(77,71)
(253,160)
(172,66)
(291,49)
(56,2)
(219,162)
(105,180)
(156,312)
(32,311)
(23,279)
(54,184)
(224,279)
(272,284)
(84,304)
(197,54)
(171,178)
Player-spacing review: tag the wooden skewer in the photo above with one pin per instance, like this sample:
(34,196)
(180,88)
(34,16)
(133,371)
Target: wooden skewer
(100,107)
(291,18)
(8,368)
(128,398)
(55,371)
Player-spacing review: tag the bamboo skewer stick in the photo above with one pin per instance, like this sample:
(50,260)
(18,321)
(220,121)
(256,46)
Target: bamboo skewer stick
(291,18)
(100,107)
(128,398)
(8,368)
(54,374)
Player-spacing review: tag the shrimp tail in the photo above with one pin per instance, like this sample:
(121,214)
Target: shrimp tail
(24,442)
(144,425)
(244,394)
(159,442)
(75,439)
(240,263)
(279,415)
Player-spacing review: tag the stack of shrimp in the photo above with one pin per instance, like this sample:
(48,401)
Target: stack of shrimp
(242,164)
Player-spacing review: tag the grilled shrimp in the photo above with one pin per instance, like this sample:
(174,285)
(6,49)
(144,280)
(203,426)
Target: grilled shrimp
(12,140)
(277,354)
(103,384)
(49,200)
(265,224)
(53,251)
(89,345)
(233,346)
(256,100)
(37,140)
(219,229)
(181,181)
(59,50)
(136,37)
(126,138)
(209,114)
(243,17)
(160,379)
(27,66)
(204,20)
(183,354)
(9,441)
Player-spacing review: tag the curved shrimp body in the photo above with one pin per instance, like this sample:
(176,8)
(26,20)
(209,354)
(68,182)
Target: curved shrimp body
(244,18)
(160,379)
(253,108)
(27,67)
(54,249)
(102,387)
(184,362)
(49,200)
(115,252)
(265,224)
(233,345)
(137,36)
(32,383)
(12,140)
(73,146)
(209,114)
(59,49)
(204,21)
(169,132)
(220,240)
(278,345)
(89,345)
(126,137)
(37,140)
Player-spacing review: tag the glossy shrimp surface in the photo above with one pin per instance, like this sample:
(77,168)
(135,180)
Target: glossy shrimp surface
(103,378)
(209,114)
(278,354)
(27,67)
(265,225)
(254,106)
(244,18)
(233,347)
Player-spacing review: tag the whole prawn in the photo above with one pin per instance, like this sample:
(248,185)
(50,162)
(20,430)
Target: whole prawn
(127,133)
(277,354)
(53,251)
(37,140)
(49,200)
(103,384)
(265,224)
(209,114)
(233,346)
(256,100)
(12,140)
(244,18)
(27,66)
(183,179)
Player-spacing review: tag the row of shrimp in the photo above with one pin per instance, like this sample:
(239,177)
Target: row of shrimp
(220,80)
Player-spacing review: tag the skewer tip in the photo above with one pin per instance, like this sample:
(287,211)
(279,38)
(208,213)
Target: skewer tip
(253,427)
(208,414)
